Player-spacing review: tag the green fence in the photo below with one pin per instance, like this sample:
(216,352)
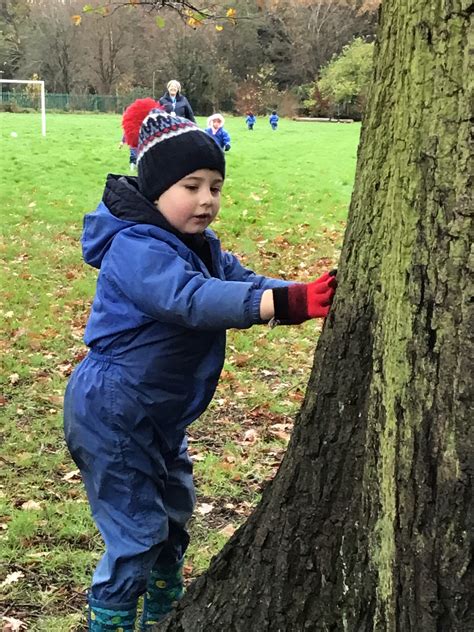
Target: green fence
(18,100)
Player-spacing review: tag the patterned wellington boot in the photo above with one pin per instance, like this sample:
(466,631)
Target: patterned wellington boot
(120,618)
(165,588)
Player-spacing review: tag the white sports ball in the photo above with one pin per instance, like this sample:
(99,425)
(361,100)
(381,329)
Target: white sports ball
(13,134)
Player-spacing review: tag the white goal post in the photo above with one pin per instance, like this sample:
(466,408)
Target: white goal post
(42,98)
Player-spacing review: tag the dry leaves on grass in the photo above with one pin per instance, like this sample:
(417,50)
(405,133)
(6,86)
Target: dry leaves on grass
(12,578)
(204,508)
(72,477)
(228,530)
(10,624)
(31,505)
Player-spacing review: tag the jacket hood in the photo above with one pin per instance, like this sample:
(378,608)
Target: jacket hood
(123,206)
(216,117)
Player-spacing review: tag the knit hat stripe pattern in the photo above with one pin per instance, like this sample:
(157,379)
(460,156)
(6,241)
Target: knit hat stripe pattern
(187,149)
(173,130)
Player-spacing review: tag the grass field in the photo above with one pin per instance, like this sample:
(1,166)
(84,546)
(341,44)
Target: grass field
(283,212)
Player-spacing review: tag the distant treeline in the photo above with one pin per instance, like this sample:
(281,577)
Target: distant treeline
(269,58)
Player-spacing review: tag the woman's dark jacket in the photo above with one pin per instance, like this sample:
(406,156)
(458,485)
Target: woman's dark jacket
(181,106)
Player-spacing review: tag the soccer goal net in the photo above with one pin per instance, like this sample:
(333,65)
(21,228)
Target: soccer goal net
(36,84)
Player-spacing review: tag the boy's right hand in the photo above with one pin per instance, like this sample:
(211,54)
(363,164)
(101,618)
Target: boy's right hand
(302,301)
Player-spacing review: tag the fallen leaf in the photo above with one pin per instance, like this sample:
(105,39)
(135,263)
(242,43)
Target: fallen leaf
(228,530)
(14,378)
(284,436)
(197,457)
(74,474)
(31,505)
(250,436)
(204,508)
(12,625)
(241,359)
(12,578)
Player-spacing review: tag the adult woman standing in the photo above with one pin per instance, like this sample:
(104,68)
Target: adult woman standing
(175,103)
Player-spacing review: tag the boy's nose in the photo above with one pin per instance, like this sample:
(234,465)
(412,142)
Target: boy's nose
(206,197)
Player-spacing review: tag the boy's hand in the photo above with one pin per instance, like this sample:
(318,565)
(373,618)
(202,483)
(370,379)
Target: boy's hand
(227,148)
(302,301)
(319,295)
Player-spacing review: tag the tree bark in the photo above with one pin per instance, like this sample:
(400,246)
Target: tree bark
(368,524)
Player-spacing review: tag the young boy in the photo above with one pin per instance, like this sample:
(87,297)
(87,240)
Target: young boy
(273,120)
(166,294)
(250,120)
(215,129)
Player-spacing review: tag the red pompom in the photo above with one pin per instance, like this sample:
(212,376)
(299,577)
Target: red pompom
(134,116)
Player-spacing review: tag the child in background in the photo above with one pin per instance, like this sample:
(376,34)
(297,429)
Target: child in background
(250,120)
(166,294)
(133,154)
(215,129)
(146,103)
(273,120)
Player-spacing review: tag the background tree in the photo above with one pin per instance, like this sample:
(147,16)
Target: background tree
(368,524)
(345,79)
(108,47)
(133,45)
(314,31)
(258,93)
(14,28)
(314,102)
(52,47)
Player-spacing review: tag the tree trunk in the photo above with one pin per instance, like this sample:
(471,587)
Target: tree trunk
(367,525)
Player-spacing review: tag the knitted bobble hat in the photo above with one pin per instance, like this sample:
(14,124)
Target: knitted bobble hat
(168,147)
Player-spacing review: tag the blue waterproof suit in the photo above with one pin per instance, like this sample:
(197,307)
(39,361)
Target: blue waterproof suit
(273,120)
(250,120)
(156,334)
(221,137)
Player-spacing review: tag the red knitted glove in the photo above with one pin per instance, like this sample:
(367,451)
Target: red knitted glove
(299,302)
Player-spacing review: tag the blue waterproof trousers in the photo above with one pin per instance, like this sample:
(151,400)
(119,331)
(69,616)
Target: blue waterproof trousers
(141,498)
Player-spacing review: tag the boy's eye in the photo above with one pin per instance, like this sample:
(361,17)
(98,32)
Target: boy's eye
(190,187)
(215,190)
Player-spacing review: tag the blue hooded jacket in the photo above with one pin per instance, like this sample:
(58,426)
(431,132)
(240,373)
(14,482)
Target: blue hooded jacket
(221,137)
(250,120)
(157,327)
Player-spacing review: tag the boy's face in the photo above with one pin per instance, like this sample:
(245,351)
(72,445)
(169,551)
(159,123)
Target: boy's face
(216,123)
(193,202)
